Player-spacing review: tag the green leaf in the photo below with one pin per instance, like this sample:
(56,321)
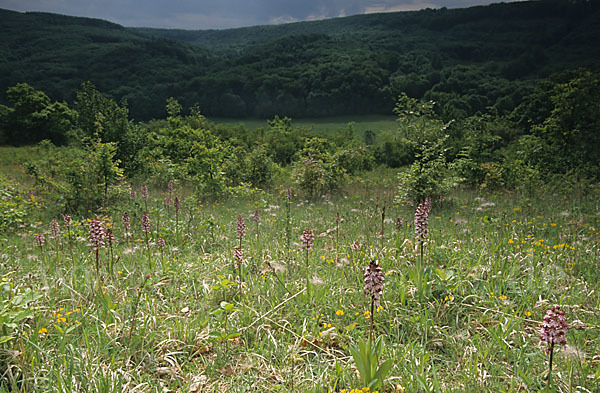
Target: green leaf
(441,274)
(4,339)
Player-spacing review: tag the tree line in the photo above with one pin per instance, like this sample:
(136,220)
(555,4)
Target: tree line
(470,61)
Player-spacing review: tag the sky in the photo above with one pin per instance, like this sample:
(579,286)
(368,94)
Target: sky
(223,14)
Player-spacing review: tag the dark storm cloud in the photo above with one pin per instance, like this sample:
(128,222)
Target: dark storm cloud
(219,14)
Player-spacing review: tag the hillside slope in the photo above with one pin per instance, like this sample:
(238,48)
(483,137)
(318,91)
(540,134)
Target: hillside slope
(465,59)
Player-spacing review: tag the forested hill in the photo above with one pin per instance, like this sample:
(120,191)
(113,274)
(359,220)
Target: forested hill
(465,59)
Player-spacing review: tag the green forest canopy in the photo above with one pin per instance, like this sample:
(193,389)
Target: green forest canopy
(467,60)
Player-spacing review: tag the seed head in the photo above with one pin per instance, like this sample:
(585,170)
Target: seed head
(308,239)
(373,279)
(554,328)
(145,223)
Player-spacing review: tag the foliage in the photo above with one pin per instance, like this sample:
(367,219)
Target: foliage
(103,119)
(366,357)
(33,117)
(78,180)
(467,60)
(15,308)
(570,133)
(429,175)
(13,207)
(469,314)
(317,171)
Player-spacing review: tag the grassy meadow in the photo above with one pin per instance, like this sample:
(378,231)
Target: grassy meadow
(326,125)
(138,317)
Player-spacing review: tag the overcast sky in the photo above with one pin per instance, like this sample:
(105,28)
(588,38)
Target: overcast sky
(222,14)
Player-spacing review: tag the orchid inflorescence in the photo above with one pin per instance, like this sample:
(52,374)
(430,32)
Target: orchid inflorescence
(238,257)
(241,227)
(97,235)
(373,279)
(145,223)
(54,228)
(554,328)
(308,239)
(144,192)
(422,219)
(39,238)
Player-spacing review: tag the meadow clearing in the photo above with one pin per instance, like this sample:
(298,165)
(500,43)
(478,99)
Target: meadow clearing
(203,296)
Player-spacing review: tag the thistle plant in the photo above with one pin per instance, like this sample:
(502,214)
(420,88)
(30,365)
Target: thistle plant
(96,239)
(554,331)
(373,279)
(308,239)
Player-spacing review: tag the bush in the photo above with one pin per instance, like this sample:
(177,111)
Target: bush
(13,207)
(317,175)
